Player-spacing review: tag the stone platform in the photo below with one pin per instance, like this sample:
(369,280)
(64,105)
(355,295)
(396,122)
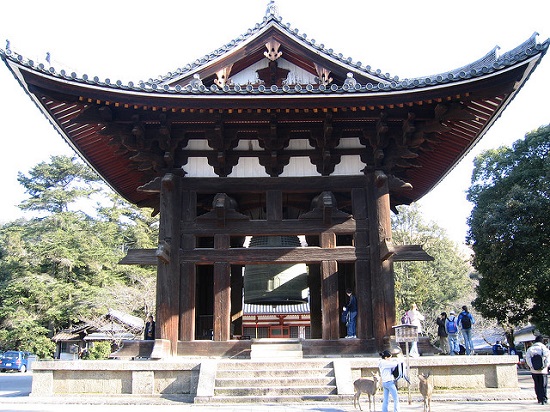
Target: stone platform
(221,379)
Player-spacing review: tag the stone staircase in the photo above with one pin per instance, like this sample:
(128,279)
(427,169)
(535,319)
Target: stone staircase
(276,349)
(262,381)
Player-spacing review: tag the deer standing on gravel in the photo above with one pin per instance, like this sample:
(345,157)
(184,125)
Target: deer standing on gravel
(368,386)
(426,387)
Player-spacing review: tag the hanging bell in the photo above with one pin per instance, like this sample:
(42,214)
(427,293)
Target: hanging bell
(276,284)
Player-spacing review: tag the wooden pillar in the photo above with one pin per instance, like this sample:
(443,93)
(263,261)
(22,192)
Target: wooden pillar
(168,269)
(329,291)
(237,299)
(362,270)
(381,269)
(222,293)
(188,282)
(274,205)
(315,306)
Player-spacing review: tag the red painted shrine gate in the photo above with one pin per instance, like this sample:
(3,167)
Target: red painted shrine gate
(269,138)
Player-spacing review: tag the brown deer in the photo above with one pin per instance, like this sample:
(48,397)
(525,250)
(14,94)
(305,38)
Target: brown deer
(368,386)
(426,387)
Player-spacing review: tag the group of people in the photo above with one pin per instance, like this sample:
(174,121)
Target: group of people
(448,328)
(537,358)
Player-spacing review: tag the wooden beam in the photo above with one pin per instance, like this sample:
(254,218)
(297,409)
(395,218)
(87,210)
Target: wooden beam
(260,185)
(250,256)
(407,253)
(271,228)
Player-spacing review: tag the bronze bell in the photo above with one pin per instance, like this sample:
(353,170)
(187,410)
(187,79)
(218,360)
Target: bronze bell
(276,284)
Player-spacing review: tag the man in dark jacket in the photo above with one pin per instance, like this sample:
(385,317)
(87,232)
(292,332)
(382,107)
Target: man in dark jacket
(351,310)
(442,333)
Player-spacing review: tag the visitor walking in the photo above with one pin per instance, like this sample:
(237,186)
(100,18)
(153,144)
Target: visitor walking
(466,321)
(386,366)
(351,314)
(415,318)
(442,333)
(537,358)
(451,327)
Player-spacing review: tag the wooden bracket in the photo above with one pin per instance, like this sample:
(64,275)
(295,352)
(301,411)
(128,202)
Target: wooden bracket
(163,251)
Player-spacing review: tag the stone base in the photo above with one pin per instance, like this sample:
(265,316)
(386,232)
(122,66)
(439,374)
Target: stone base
(195,377)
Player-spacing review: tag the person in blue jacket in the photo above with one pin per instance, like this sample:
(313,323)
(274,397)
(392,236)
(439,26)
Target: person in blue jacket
(465,322)
(351,310)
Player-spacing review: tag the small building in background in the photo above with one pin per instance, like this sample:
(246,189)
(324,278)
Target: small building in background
(113,327)
(276,321)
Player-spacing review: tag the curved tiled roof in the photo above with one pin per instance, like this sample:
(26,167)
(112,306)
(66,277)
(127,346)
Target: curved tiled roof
(489,63)
(453,109)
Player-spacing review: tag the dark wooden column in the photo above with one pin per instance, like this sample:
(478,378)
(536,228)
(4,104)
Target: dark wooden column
(168,268)
(329,290)
(315,307)
(222,292)
(381,269)
(362,274)
(237,299)
(188,291)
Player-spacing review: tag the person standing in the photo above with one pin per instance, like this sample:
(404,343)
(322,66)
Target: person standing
(451,327)
(386,366)
(150,328)
(466,321)
(442,333)
(539,368)
(415,318)
(351,310)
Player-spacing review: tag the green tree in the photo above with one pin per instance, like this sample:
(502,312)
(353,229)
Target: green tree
(99,350)
(433,285)
(510,232)
(53,186)
(62,267)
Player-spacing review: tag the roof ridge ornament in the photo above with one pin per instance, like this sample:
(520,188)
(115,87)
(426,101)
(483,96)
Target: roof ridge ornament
(272,10)
(196,83)
(350,81)
(273,52)
(323,75)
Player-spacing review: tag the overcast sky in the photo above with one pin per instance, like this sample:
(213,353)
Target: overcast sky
(138,40)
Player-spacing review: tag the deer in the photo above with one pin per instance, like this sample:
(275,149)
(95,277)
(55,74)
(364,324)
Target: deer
(426,387)
(368,386)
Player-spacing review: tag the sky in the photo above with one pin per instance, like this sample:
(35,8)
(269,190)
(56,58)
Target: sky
(132,40)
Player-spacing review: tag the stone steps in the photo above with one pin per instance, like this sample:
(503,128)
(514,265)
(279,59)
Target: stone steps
(276,391)
(289,399)
(258,381)
(274,382)
(276,349)
(274,373)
